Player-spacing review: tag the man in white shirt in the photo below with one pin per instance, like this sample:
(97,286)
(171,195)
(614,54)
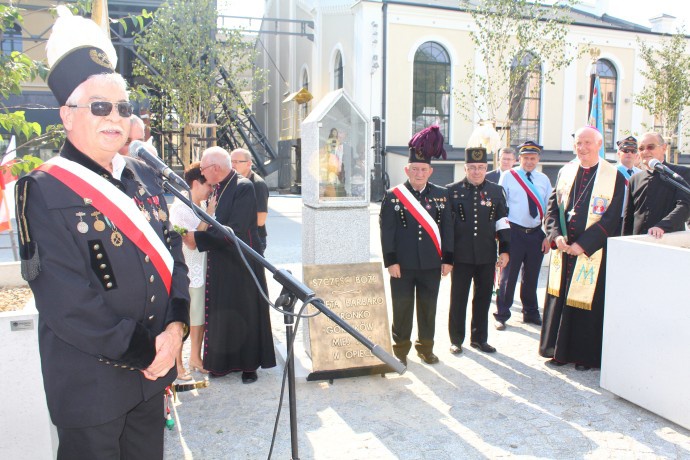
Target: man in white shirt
(527,191)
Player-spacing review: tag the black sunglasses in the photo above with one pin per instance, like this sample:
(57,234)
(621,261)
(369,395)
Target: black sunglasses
(103,108)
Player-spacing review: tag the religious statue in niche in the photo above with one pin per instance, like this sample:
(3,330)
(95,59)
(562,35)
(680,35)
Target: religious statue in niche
(332,173)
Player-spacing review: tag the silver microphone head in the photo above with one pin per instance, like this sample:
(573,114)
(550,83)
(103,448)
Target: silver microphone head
(134,147)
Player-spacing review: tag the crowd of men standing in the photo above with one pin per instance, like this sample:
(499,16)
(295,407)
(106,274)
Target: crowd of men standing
(492,228)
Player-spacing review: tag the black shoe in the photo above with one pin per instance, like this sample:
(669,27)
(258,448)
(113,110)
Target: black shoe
(485,347)
(456,349)
(429,358)
(532,320)
(249,377)
(553,362)
(500,325)
(582,367)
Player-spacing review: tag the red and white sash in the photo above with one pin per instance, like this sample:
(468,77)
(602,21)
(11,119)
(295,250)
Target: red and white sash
(531,191)
(117,207)
(420,214)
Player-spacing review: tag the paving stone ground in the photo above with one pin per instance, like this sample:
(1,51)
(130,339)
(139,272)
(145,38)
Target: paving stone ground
(472,406)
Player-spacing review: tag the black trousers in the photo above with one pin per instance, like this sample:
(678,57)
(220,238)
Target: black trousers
(462,276)
(525,255)
(423,286)
(136,435)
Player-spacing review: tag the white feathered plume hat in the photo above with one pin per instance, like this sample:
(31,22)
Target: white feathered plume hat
(77,48)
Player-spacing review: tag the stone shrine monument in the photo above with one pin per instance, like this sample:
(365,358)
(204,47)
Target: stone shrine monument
(335,189)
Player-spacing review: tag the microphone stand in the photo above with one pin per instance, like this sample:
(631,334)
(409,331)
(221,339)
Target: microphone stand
(682,186)
(293,289)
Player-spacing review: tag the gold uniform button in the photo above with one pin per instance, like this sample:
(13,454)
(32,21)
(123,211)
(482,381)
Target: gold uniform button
(151,317)
(153,298)
(151,278)
(96,247)
(147,259)
(109,285)
(99,256)
(106,277)
(102,266)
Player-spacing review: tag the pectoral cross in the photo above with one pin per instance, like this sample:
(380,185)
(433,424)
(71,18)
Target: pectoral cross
(571,213)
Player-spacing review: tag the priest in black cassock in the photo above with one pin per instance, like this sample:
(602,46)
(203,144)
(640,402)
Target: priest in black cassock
(238,327)
(583,211)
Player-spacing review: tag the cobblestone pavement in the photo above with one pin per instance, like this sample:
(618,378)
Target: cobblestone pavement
(474,405)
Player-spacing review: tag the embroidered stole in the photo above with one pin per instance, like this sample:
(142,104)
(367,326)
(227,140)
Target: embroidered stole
(117,206)
(531,190)
(586,271)
(420,214)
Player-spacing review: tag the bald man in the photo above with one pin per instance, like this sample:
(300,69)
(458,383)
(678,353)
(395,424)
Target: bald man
(583,211)
(654,206)
(137,132)
(241,160)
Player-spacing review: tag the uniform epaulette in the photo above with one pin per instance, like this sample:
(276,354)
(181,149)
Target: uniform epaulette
(28,249)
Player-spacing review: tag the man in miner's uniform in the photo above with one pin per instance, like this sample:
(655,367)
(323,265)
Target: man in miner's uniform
(414,222)
(103,262)
(479,218)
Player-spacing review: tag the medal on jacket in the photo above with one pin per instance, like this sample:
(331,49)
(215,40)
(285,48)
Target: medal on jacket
(99,225)
(162,216)
(82,227)
(154,212)
(142,208)
(115,237)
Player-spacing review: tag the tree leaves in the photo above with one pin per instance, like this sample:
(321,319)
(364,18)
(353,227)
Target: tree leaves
(506,32)
(16,69)
(667,93)
(184,48)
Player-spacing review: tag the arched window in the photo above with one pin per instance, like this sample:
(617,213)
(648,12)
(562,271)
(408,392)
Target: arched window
(608,79)
(431,88)
(338,71)
(525,99)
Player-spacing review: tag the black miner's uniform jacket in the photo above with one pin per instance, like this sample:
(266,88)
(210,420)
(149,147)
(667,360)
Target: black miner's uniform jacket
(101,304)
(404,241)
(475,210)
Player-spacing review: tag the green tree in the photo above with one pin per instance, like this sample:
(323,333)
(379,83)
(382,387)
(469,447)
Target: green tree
(17,68)
(666,95)
(513,38)
(184,49)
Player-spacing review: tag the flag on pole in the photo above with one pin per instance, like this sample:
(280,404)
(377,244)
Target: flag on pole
(8,160)
(4,208)
(596,114)
(7,182)
(99,15)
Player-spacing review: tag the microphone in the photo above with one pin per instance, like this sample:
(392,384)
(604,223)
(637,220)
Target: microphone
(138,150)
(662,168)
